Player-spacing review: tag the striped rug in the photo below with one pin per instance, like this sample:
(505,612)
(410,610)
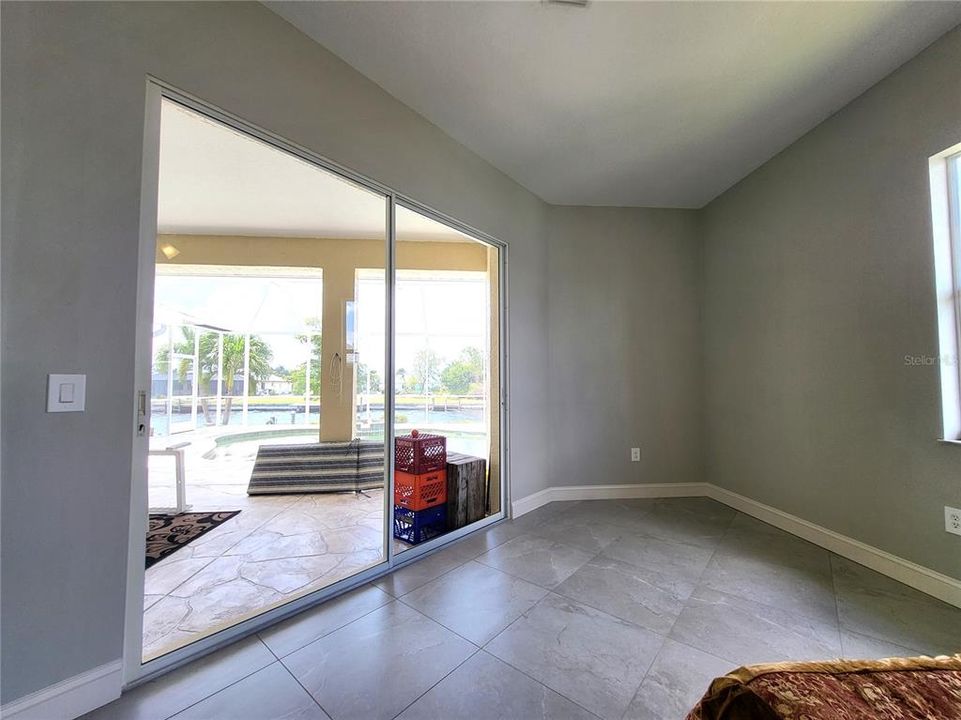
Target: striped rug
(318,467)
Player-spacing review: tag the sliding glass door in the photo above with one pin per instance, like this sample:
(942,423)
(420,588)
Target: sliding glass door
(321,383)
(447,416)
(265,473)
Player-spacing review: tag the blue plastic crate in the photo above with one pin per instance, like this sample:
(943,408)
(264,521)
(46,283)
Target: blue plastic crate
(417,526)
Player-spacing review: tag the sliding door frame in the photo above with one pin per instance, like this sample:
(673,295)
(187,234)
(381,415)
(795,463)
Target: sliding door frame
(135,671)
(485,239)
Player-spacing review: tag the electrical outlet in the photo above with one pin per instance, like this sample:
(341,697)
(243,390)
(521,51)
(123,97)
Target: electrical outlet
(635,454)
(952,520)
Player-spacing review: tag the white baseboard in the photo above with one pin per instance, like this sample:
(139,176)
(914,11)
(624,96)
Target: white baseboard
(70,698)
(911,574)
(917,576)
(605,492)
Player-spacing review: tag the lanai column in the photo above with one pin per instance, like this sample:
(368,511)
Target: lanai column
(337,397)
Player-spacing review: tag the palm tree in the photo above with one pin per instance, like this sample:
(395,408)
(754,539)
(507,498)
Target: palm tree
(208,361)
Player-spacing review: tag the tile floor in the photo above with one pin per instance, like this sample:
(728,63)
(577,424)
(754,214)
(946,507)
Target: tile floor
(610,609)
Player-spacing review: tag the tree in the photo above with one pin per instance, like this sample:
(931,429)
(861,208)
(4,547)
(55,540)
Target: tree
(426,373)
(475,358)
(298,376)
(459,377)
(298,380)
(365,374)
(411,386)
(208,361)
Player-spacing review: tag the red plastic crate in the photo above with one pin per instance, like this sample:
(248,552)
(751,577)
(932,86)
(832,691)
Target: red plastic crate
(419,492)
(420,454)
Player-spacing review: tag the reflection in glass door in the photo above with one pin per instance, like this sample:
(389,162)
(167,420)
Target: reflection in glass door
(447,416)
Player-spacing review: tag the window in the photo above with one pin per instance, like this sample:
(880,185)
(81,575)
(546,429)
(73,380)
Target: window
(946,217)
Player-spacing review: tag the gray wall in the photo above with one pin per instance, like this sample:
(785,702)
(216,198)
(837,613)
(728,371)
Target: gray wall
(818,280)
(73,78)
(625,361)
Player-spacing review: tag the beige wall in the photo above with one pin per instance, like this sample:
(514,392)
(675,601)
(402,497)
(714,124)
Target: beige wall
(818,280)
(320,252)
(339,259)
(494,383)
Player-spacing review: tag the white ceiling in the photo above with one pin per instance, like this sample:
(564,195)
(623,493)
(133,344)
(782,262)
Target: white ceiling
(661,104)
(217,181)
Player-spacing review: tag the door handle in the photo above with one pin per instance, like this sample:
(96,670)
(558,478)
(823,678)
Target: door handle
(141,413)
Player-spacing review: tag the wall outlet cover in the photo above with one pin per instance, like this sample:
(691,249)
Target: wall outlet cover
(952,520)
(635,454)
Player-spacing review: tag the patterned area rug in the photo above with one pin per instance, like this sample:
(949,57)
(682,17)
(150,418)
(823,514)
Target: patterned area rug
(168,533)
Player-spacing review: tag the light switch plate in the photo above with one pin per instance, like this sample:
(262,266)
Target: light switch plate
(66,393)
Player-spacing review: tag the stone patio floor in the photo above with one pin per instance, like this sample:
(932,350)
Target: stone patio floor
(276,549)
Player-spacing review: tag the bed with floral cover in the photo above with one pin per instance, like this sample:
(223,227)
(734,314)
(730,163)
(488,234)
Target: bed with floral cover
(920,688)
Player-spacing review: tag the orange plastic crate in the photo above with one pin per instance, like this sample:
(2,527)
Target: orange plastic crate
(419,492)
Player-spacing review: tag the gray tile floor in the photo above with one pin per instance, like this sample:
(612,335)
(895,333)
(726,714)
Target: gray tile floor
(610,609)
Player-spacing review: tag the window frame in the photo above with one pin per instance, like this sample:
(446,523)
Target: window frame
(954,230)
(945,175)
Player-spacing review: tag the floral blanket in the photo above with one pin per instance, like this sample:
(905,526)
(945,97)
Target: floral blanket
(920,688)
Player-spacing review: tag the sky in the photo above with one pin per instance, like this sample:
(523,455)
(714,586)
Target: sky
(275,308)
(445,311)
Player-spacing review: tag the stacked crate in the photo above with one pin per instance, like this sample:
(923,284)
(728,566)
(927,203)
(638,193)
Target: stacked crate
(420,487)
(466,490)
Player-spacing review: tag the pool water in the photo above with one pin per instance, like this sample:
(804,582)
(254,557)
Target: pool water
(255,416)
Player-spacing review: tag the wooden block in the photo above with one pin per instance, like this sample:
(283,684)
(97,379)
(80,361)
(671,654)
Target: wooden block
(466,489)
